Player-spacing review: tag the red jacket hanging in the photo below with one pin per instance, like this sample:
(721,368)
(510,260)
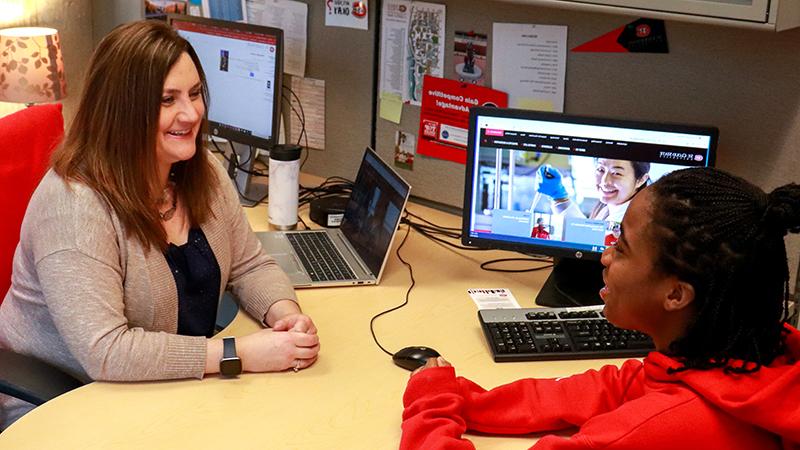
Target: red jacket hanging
(637,406)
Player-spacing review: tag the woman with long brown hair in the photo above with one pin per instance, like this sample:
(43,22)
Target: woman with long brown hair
(132,236)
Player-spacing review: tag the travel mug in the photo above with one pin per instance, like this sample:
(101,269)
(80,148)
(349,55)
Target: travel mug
(284,185)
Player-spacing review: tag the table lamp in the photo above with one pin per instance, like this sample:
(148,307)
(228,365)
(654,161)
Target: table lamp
(31,67)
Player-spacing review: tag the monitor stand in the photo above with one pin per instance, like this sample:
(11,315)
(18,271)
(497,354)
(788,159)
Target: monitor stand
(573,282)
(250,194)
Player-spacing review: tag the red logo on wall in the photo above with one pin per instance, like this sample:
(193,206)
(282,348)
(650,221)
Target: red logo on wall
(430,129)
(642,30)
(359,9)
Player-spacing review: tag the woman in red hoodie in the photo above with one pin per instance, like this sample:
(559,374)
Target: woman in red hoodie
(701,267)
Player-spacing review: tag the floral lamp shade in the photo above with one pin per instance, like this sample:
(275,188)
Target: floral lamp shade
(31,67)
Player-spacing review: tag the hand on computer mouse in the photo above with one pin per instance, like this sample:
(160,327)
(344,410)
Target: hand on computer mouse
(432,362)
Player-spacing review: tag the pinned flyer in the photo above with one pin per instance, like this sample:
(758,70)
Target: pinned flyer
(639,36)
(444,116)
(496,298)
(346,13)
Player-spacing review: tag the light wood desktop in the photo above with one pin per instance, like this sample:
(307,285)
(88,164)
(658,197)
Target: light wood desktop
(350,399)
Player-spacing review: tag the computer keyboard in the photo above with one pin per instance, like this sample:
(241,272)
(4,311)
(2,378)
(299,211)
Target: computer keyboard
(534,334)
(319,256)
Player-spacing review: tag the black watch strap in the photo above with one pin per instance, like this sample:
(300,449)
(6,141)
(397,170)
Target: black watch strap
(228,347)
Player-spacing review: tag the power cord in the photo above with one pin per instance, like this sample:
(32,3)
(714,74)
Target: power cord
(330,187)
(233,166)
(236,164)
(301,117)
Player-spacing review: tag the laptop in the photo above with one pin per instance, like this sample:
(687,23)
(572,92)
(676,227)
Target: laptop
(357,251)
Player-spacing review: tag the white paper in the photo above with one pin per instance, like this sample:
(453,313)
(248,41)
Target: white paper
(493,298)
(292,18)
(346,13)
(394,33)
(311,93)
(424,52)
(529,63)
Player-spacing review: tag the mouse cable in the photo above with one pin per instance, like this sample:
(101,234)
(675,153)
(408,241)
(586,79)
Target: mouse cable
(405,302)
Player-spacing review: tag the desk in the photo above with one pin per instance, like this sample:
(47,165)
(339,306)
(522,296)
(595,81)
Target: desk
(350,399)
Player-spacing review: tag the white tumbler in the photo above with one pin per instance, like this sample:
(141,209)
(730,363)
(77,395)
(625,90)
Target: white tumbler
(284,184)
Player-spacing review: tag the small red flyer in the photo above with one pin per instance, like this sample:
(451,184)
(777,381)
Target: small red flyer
(444,116)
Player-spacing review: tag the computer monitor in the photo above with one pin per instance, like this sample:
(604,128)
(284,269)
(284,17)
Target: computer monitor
(558,185)
(243,65)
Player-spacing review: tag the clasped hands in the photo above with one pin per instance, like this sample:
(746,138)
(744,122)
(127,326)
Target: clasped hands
(291,343)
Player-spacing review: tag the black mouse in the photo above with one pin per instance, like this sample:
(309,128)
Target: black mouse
(412,358)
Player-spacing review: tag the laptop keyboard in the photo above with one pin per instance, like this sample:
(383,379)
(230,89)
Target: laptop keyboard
(319,256)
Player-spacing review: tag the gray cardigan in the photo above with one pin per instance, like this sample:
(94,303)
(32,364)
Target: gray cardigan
(90,300)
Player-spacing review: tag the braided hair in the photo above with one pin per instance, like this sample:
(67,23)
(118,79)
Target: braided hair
(725,237)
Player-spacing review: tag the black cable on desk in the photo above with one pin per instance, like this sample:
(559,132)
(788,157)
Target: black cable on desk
(485,265)
(428,230)
(405,302)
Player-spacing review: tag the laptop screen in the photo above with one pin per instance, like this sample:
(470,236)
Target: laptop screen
(373,210)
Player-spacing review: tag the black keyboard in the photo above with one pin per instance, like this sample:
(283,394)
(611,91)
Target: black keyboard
(534,334)
(319,256)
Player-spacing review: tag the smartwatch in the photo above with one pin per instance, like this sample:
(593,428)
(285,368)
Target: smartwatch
(230,365)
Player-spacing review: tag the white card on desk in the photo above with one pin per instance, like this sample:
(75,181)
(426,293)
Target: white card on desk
(497,298)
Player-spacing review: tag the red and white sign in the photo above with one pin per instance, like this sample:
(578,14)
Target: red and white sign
(444,116)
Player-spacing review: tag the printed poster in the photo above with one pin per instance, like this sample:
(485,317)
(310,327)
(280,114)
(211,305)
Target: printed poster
(291,17)
(308,102)
(639,36)
(444,116)
(424,52)
(394,34)
(404,149)
(469,54)
(412,46)
(529,62)
(347,14)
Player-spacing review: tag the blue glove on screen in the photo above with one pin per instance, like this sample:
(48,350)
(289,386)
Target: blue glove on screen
(550,183)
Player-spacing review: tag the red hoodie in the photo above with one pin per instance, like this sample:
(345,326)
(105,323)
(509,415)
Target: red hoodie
(637,406)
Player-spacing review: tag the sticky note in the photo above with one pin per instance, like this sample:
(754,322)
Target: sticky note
(536,104)
(391,107)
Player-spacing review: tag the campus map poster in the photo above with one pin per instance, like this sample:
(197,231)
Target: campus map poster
(412,46)
(424,50)
(444,116)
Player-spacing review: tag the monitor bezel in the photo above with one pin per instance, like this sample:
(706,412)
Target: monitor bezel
(533,247)
(217,129)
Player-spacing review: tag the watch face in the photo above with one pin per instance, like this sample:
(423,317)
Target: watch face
(230,367)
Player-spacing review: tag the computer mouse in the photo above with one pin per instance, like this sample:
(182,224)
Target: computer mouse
(412,358)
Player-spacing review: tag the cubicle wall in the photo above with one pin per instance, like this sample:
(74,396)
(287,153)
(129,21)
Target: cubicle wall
(744,82)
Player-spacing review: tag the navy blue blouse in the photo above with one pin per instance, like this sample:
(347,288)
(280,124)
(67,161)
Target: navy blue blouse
(197,278)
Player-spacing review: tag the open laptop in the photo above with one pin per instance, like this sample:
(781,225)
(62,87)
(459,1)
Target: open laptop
(357,251)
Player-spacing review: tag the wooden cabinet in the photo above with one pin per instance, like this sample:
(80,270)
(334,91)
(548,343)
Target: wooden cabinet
(772,15)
